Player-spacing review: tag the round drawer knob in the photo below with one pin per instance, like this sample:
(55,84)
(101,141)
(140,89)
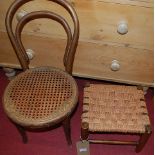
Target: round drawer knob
(20,14)
(122,27)
(30,53)
(115,66)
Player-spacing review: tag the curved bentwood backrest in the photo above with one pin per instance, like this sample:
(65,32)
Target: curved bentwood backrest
(15,38)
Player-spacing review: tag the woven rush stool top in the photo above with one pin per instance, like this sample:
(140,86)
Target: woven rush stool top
(40,96)
(115,108)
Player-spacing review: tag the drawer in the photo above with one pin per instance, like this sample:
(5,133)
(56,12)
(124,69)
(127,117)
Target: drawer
(94,61)
(47,51)
(91,60)
(99,22)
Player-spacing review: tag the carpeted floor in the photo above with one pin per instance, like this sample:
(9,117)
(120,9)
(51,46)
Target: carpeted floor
(53,142)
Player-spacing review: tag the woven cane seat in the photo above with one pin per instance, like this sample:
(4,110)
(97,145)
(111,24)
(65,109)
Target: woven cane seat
(115,108)
(40,96)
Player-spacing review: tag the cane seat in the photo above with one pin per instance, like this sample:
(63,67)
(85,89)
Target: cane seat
(41,96)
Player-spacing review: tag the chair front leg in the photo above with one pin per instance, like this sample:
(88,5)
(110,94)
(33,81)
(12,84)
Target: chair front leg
(67,130)
(22,133)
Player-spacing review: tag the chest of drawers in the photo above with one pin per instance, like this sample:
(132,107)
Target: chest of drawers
(116,40)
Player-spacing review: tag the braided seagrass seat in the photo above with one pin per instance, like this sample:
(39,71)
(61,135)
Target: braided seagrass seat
(44,96)
(116,109)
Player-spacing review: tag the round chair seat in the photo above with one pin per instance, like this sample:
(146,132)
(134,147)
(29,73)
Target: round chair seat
(40,97)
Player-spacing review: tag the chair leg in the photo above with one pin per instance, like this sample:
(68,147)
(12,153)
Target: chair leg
(84,131)
(143,139)
(67,130)
(22,133)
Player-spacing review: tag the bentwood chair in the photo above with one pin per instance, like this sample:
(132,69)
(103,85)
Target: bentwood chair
(44,96)
(115,109)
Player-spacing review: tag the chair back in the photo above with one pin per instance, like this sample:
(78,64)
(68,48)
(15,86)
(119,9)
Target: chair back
(15,37)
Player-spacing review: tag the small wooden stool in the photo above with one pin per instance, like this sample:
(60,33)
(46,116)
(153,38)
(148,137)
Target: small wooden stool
(115,109)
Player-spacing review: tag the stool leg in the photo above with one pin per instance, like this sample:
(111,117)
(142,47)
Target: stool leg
(67,130)
(84,131)
(22,133)
(143,139)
